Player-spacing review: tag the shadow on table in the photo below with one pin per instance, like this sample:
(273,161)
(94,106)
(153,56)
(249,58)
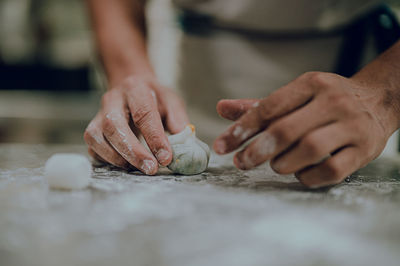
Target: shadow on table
(260,179)
(264,179)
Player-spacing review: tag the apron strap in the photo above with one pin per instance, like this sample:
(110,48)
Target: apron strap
(381,23)
(195,23)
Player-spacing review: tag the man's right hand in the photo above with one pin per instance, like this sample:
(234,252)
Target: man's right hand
(136,106)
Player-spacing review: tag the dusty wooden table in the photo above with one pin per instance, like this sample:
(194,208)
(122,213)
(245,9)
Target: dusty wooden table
(221,217)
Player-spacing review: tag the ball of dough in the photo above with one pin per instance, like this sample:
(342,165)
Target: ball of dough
(68,171)
(190,155)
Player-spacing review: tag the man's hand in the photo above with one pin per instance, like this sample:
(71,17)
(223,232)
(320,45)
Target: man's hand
(138,106)
(321,126)
(135,103)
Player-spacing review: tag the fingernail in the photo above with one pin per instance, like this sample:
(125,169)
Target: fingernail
(148,167)
(279,165)
(238,163)
(243,161)
(247,162)
(162,155)
(220,146)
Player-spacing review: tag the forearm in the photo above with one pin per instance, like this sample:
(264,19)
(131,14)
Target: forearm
(120,31)
(383,76)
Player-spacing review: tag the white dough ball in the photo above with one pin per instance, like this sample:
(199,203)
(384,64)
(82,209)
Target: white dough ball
(68,171)
(190,155)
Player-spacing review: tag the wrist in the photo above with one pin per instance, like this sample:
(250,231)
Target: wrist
(380,98)
(381,79)
(123,53)
(121,61)
(119,71)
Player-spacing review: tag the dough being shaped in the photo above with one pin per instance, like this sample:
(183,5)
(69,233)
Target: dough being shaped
(190,155)
(68,171)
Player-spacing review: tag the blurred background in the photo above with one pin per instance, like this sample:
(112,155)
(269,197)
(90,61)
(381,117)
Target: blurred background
(50,81)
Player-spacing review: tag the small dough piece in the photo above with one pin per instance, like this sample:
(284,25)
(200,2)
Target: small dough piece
(68,171)
(190,155)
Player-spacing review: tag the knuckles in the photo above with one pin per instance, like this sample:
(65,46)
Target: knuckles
(282,132)
(114,159)
(141,115)
(90,133)
(108,126)
(264,111)
(312,146)
(335,90)
(88,137)
(333,172)
(342,102)
(319,79)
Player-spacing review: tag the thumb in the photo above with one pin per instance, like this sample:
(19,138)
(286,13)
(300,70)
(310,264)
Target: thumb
(176,118)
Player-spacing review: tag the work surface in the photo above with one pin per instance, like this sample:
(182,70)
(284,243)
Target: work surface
(221,217)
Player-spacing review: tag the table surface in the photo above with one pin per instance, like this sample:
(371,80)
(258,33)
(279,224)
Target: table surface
(221,217)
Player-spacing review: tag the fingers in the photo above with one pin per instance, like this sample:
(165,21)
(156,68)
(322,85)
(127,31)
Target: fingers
(233,109)
(176,117)
(282,134)
(119,135)
(145,115)
(279,103)
(134,108)
(95,156)
(99,147)
(333,170)
(259,151)
(314,127)
(313,148)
